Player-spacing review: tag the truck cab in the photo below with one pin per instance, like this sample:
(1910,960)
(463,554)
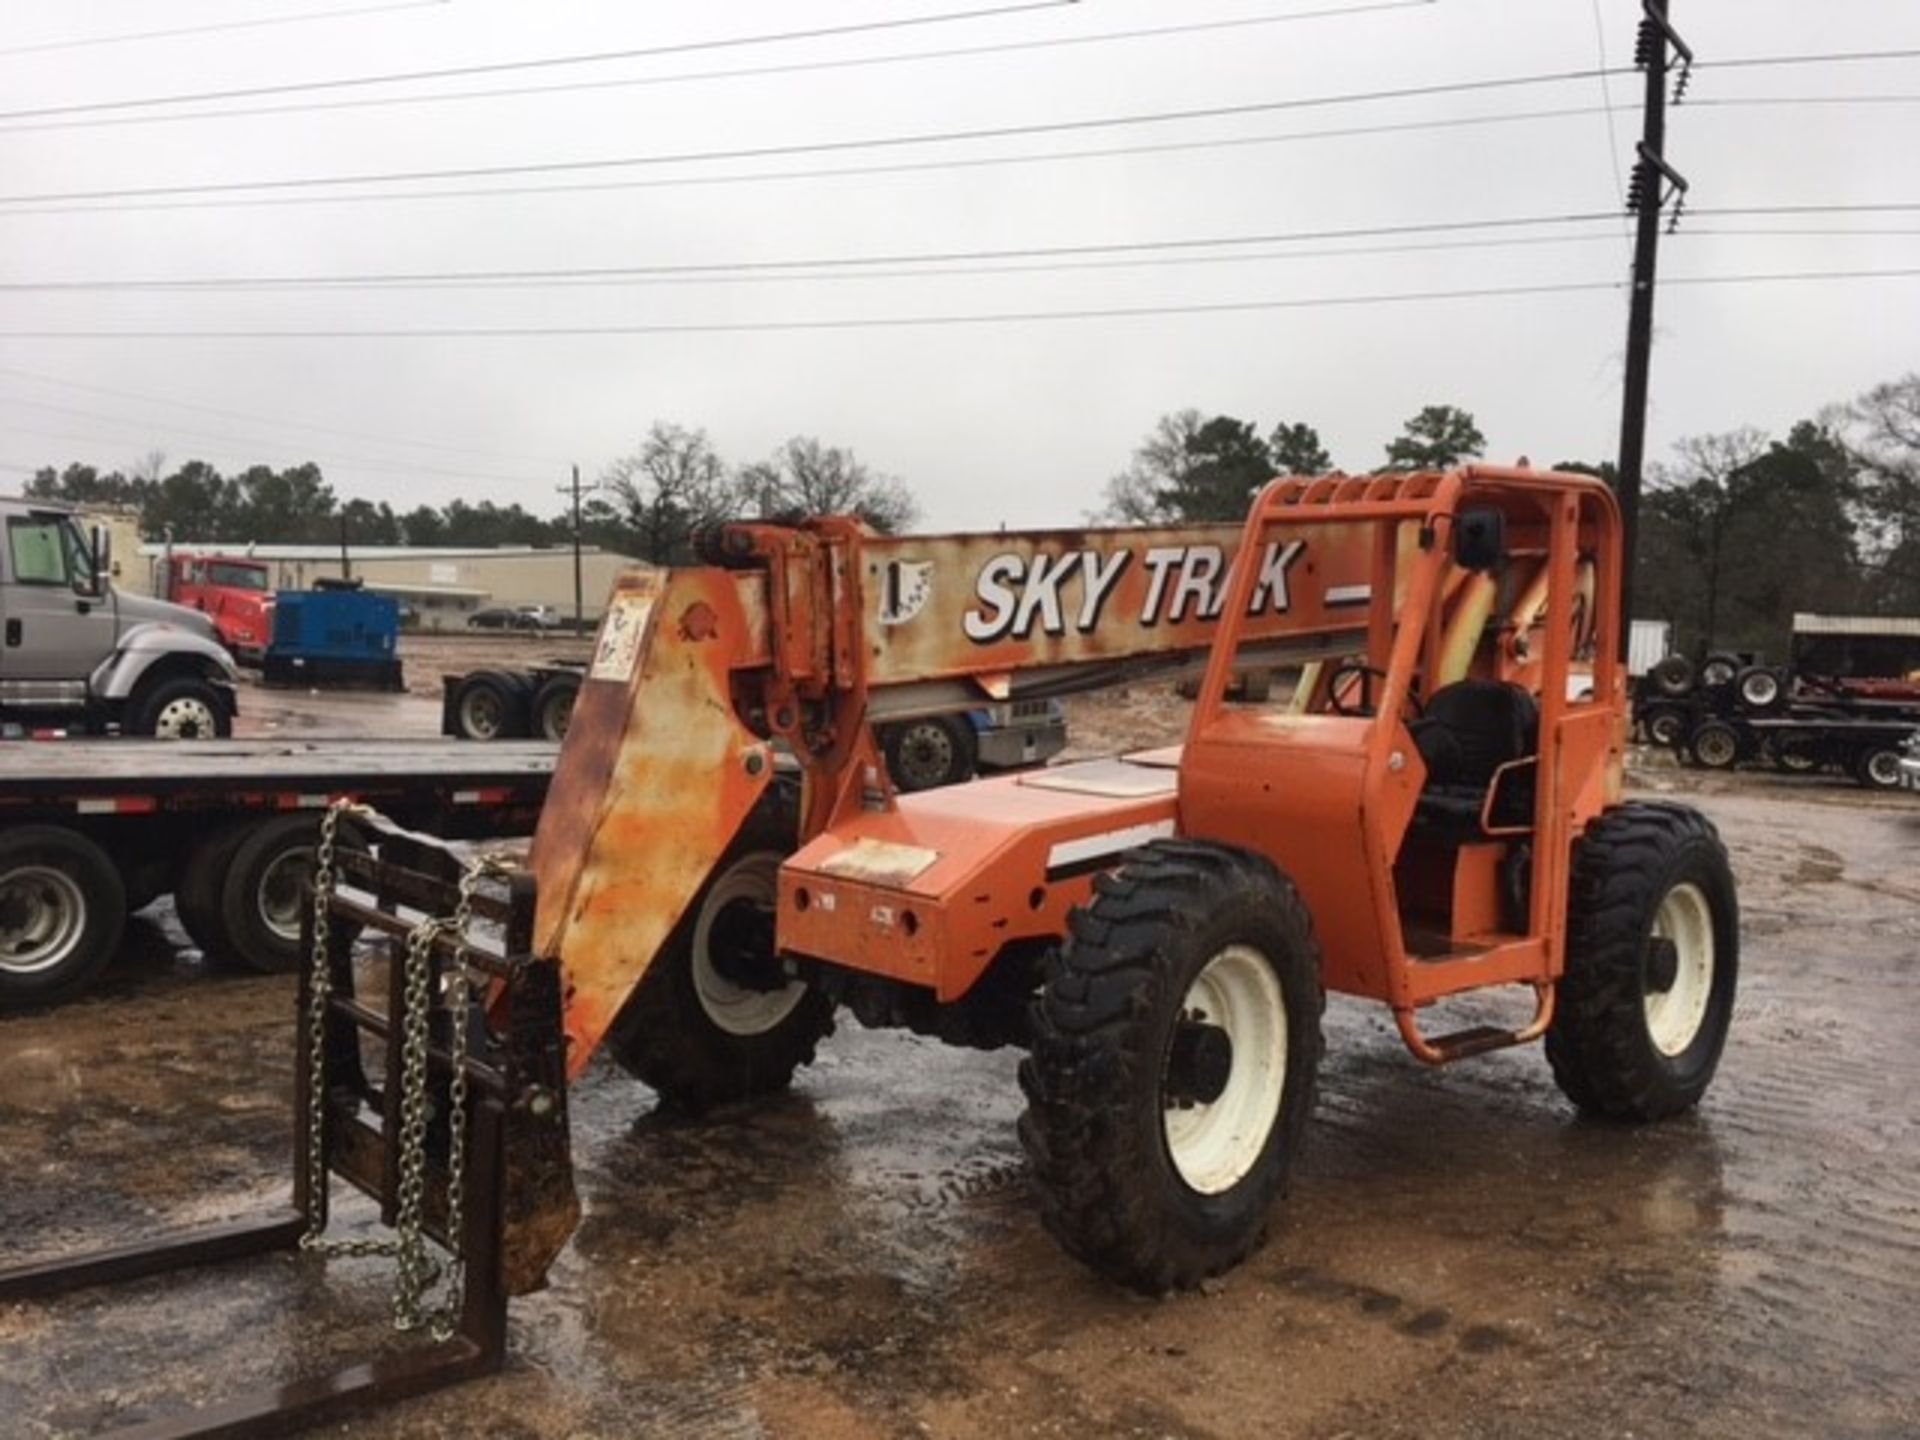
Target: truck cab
(77,653)
(237,594)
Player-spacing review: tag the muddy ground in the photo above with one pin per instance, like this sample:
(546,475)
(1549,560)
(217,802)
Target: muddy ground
(1461,1255)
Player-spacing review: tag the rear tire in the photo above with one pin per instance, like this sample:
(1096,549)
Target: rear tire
(196,899)
(1666,725)
(62,911)
(1673,675)
(1762,690)
(553,707)
(1653,953)
(490,705)
(1158,1147)
(1715,745)
(1719,669)
(263,892)
(715,1019)
(1877,766)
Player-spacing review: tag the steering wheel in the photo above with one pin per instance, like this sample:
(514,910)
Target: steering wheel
(1337,702)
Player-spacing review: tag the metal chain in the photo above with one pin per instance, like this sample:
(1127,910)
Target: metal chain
(415,1269)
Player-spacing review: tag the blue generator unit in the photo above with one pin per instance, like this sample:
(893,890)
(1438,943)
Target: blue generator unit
(338,633)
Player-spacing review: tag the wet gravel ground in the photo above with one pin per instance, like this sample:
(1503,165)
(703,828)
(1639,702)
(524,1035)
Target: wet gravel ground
(1461,1255)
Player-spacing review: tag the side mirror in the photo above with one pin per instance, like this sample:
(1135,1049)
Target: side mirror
(102,558)
(1479,538)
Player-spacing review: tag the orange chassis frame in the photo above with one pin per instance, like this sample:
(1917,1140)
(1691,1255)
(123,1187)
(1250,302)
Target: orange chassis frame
(806,636)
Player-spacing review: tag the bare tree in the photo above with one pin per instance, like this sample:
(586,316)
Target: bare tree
(672,487)
(1141,493)
(805,478)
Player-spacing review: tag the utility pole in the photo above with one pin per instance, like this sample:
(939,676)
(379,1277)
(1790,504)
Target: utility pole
(1653,181)
(579,604)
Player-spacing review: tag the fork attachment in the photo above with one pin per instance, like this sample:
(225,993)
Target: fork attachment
(519,1201)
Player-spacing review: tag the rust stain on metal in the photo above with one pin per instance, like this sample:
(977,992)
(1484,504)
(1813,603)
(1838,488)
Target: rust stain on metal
(652,785)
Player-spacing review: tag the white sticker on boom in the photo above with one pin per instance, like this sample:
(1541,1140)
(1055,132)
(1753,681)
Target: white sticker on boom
(621,632)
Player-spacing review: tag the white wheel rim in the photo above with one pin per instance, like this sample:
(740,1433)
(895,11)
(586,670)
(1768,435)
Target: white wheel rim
(739,1009)
(280,896)
(1715,749)
(1884,767)
(481,711)
(42,917)
(187,718)
(1214,1146)
(559,716)
(1674,1015)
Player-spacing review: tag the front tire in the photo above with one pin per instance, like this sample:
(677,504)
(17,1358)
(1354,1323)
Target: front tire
(184,708)
(715,1019)
(1653,955)
(62,911)
(1176,1043)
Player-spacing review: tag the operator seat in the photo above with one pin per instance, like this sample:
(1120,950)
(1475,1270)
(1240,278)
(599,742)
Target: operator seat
(1468,730)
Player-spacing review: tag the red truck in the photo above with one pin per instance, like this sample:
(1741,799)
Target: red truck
(236,593)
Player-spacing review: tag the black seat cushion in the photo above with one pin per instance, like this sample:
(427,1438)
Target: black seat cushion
(1471,728)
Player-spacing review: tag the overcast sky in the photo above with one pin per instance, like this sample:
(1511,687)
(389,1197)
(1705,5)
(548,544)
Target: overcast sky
(1000,422)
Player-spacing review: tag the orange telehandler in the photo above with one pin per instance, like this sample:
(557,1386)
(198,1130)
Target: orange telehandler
(721,862)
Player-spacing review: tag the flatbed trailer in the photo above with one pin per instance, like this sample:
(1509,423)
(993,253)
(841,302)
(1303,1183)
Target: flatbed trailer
(91,831)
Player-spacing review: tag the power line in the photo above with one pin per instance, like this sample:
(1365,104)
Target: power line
(851,62)
(1606,99)
(814,147)
(899,322)
(921,257)
(563,280)
(88,202)
(279,422)
(830,172)
(499,67)
(265,22)
(890,265)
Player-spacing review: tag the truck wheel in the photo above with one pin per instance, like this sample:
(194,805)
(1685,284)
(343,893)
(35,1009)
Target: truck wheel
(1665,725)
(1796,757)
(1716,745)
(553,707)
(927,753)
(1175,1047)
(1878,766)
(196,899)
(263,892)
(1653,953)
(1761,689)
(1719,669)
(716,1018)
(490,705)
(184,708)
(62,908)
(1673,675)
